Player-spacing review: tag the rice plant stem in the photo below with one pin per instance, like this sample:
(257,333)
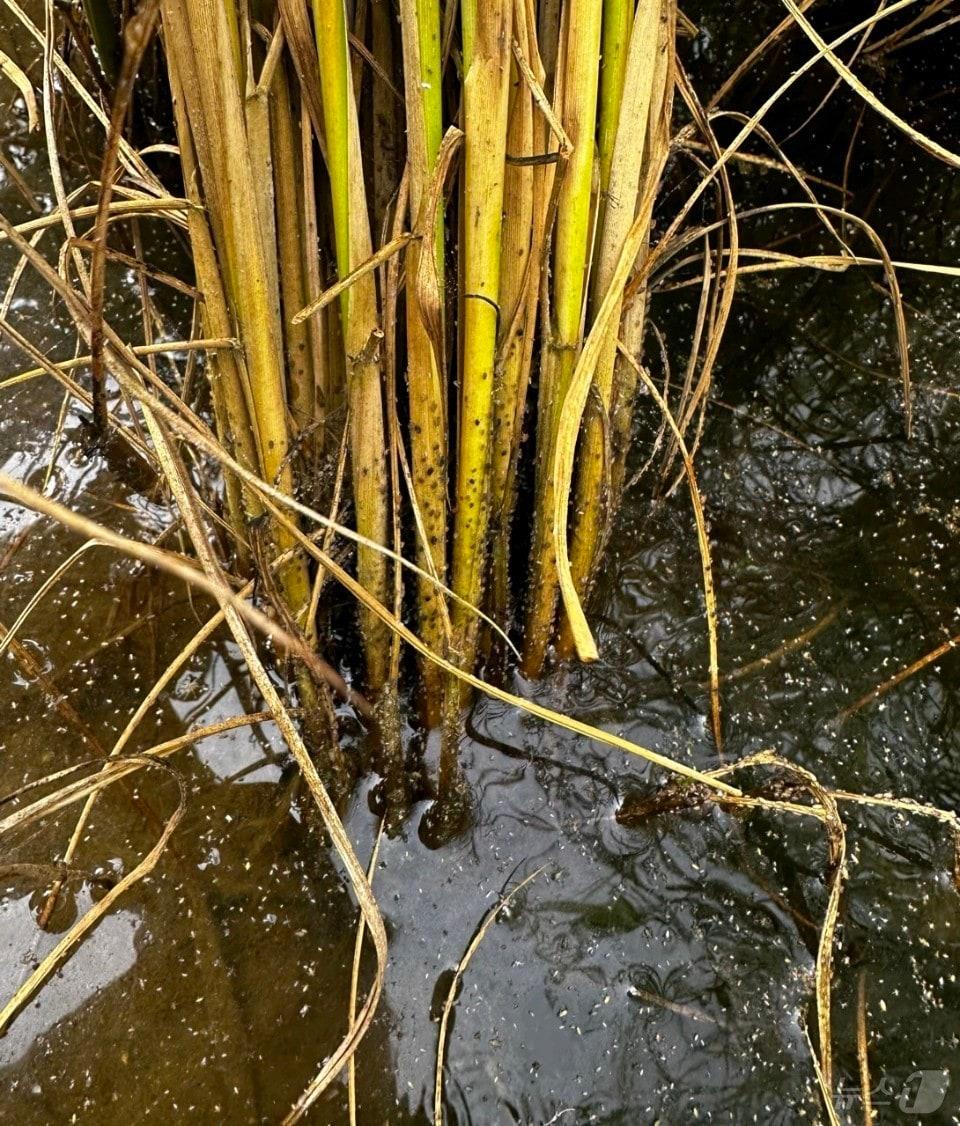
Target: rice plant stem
(485,101)
(571,250)
(644,87)
(420,29)
(359,318)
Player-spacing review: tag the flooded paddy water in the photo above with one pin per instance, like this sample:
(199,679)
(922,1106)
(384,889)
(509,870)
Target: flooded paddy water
(659,969)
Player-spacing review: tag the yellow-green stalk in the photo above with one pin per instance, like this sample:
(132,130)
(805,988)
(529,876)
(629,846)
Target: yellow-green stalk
(359,320)
(572,239)
(630,166)
(486,88)
(420,29)
(256,105)
(519,287)
(617,25)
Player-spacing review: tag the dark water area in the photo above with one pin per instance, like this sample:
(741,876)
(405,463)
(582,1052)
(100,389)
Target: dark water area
(659,972)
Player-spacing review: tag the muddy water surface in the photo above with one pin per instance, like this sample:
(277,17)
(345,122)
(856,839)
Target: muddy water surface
(661,972)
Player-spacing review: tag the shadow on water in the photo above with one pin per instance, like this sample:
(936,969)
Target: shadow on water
(653,973)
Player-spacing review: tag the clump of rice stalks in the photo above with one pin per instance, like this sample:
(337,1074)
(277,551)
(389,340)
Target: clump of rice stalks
(507,250)
(419,367)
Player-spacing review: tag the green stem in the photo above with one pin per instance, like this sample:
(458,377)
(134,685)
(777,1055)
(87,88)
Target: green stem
(360,321)
(571,251)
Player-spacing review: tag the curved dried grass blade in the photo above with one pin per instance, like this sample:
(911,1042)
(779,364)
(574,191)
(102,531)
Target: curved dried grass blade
(826,50)
(486,923)
(10,70)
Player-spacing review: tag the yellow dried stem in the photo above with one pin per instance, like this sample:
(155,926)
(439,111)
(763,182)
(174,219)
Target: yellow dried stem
(202,35)
(227,374)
